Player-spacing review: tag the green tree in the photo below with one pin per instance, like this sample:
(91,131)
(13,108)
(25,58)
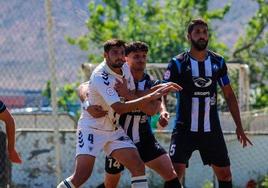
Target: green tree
(67,98)
(252,49)
(161,24)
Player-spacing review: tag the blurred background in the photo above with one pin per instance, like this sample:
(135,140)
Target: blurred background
(48,47)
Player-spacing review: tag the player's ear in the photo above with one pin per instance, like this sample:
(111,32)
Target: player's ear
(105,54)
(188,37)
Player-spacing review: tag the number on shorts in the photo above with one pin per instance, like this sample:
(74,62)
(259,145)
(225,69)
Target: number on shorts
(172,149)
(116,164)
(90,138)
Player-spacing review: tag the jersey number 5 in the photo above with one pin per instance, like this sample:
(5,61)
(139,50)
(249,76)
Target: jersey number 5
(172,149)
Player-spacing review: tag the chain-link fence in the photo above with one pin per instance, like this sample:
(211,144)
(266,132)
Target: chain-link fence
(32,36)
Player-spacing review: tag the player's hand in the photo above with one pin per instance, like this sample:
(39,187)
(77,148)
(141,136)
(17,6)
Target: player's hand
(162,91)
(96,111)
(163,119)
(14,156)
(174,85)
(242,138)
(121,87)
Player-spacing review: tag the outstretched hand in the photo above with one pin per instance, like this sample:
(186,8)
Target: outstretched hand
(14,156)
(164,90)
(242,138)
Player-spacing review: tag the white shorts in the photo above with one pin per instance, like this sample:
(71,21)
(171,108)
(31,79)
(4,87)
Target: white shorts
(91,141)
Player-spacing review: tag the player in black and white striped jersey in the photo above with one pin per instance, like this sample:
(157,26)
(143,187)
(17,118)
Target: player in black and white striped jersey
(197,125)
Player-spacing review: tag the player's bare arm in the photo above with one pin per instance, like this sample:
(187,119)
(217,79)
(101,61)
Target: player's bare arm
(234,110)
(164,115)
(95,111)
(144,101)
(10,130)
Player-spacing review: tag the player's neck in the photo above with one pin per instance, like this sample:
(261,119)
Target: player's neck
(198,55)
(137,75)
(116,70)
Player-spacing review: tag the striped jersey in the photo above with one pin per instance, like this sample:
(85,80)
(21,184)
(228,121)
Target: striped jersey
(136,124)
(2,107)
(197,102)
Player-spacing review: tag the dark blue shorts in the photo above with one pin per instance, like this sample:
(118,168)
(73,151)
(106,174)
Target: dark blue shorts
(211,146)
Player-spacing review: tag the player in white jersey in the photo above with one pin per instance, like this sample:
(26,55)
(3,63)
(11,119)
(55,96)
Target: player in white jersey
(104,133)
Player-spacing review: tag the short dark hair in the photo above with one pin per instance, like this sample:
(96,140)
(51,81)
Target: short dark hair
(136,46)
(195,22)
(112,43)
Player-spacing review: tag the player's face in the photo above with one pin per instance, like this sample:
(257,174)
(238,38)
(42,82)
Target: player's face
(137,60)
(115,57)
(199,37)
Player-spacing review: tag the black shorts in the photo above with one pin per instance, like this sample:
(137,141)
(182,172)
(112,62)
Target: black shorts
(211,146)
(148,148)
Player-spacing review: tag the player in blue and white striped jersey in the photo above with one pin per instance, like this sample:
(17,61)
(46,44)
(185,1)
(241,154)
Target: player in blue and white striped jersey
(197,125)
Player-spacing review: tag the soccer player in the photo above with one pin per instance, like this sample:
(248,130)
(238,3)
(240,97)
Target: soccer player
(94,134)
(10,131)
(197,125)
(136,125)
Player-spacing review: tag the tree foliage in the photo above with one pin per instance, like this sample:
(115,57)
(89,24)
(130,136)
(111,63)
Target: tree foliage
(67,98)
(161,24)
(252,48)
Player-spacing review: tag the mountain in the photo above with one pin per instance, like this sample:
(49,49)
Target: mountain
(24,63)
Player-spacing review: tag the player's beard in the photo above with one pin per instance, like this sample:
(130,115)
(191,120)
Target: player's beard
(117,64)
(199,45)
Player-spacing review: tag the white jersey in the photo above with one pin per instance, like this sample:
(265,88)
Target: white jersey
(102,92)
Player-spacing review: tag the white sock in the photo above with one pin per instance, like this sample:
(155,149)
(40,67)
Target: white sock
(66,184)
(139,182)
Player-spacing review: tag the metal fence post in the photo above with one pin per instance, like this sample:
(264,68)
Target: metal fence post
(52,67)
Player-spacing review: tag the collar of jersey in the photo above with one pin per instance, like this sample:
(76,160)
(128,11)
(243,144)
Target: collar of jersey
(188,53)
(110,71)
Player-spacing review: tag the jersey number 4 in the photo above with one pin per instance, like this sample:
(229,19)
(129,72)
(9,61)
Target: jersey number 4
(91,138)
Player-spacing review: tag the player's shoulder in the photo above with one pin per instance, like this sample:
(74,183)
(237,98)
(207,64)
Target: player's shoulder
(215,56)
(100,76)
(181,58)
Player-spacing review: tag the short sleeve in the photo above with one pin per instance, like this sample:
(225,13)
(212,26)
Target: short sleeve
(171,74)
(2,107)
(105,88)
(223,78)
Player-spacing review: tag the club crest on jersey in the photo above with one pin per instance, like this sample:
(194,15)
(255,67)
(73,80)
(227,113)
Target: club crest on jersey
(202,82)
(110,91)
(167,75)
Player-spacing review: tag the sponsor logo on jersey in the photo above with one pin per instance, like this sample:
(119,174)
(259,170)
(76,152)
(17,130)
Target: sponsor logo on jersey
(167,75)
(110,91)
(199,93)
(202,82)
